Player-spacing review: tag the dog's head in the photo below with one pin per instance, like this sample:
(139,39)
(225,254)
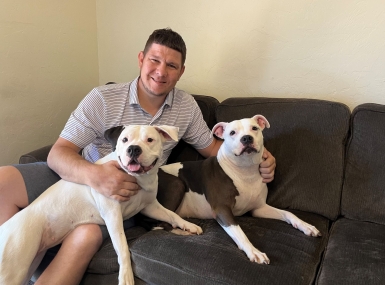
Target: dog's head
(139,148)
(243,139)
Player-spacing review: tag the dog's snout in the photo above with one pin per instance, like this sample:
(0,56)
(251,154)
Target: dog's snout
(134,150)
(245,140)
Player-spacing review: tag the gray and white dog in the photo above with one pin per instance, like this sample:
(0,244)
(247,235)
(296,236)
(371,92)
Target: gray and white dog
(228,185)
(25,237)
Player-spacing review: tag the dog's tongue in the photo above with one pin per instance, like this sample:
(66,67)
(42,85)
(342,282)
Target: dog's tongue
(133,167)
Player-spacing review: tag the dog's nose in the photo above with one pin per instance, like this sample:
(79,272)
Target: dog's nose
(134,151)
(245,140)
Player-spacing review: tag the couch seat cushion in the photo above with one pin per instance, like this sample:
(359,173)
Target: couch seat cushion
(355,254)
(161,257)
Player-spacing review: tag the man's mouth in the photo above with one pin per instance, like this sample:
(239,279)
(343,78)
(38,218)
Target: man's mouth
(135,167)
(158,81)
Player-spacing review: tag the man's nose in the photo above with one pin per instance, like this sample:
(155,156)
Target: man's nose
(161,69)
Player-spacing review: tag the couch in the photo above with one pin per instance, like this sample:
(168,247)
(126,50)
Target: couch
(330,172)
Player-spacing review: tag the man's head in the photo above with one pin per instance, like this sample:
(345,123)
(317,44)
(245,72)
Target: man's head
(169,38)
(161,63)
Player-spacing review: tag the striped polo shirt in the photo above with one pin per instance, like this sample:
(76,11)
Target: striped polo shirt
(117,104)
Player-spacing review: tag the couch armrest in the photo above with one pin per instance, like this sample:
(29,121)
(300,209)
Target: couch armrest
(37,155)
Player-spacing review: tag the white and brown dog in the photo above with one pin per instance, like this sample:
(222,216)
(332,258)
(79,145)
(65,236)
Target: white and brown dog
(227,185)
(25,237)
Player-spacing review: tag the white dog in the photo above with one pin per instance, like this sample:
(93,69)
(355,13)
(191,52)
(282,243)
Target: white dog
(229,185)
(25,237)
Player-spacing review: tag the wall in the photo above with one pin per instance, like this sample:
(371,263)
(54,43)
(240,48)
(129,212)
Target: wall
(51,50)
(48,63)
(326,49)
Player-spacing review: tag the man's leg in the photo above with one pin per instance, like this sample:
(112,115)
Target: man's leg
(77,249)
(72,259)
(13,193)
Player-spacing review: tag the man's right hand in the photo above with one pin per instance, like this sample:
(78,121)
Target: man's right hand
(111,181)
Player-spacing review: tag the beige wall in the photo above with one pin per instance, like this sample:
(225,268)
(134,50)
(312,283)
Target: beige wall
(53,52)
(48,63)
(325,49)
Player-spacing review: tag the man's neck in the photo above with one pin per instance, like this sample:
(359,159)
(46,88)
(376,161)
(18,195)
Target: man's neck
(150,103)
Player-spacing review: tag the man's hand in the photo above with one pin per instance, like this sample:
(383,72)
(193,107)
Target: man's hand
(267,167)
(111,181)
(108,179)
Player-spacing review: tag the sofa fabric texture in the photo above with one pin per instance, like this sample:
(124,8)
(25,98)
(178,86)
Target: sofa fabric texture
(330,173)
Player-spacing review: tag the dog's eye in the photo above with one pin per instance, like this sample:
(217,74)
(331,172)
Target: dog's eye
(124,140)
(255,128)
(150,140)
(232,133)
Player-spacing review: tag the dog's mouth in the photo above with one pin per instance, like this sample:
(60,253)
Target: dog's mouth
(248,150)
(133,166)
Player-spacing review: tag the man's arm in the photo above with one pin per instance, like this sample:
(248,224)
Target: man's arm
(266,168)
(108,179)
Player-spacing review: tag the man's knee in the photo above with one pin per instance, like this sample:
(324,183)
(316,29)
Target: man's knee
(11,179)
(13,193)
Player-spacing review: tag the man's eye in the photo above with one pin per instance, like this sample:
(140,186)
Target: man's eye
(124,140)
(150,140)
(232,133)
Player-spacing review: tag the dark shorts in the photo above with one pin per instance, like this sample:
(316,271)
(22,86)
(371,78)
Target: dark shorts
(38,177)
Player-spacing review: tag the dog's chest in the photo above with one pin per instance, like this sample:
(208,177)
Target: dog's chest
(210,187)
(252,194)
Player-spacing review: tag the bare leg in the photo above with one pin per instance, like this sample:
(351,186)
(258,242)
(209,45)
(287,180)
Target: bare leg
(77,249)
(13,194)
(75,254)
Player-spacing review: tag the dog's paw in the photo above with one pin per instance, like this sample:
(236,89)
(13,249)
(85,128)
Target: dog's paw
(126,277)
(190,227)
(256,256)
(181,232)
(308,229)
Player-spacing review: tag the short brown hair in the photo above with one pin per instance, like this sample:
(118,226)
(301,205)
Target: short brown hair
(169,38)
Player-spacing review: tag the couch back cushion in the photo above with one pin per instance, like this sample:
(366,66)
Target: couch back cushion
(307,137)
(184,151)
(363,194)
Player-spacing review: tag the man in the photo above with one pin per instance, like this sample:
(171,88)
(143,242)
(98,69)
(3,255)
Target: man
(150,99)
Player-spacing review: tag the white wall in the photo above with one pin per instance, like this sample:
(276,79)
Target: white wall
(48,63)
(328,49)
(50,51)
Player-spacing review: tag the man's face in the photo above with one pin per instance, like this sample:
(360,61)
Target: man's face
(160,69)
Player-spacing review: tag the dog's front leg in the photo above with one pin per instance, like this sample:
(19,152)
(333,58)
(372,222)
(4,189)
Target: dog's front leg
(269,212)
(112,216)
(156,211)
(225,218)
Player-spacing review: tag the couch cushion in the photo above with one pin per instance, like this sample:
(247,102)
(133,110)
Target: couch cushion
(363,195)
(161,257)
(355,254)
(184,151)
(307,138)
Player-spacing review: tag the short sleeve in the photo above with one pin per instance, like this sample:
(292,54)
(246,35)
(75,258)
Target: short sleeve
(87,122)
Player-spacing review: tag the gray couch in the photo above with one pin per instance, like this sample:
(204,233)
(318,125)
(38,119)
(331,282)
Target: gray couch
(330,172)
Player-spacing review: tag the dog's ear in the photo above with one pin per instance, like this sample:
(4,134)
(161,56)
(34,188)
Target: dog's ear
(219,129)
(112,135)
(168,132)
(261,121)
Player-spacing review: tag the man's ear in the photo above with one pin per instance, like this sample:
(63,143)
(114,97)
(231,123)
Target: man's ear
(112,135)
(140,59)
